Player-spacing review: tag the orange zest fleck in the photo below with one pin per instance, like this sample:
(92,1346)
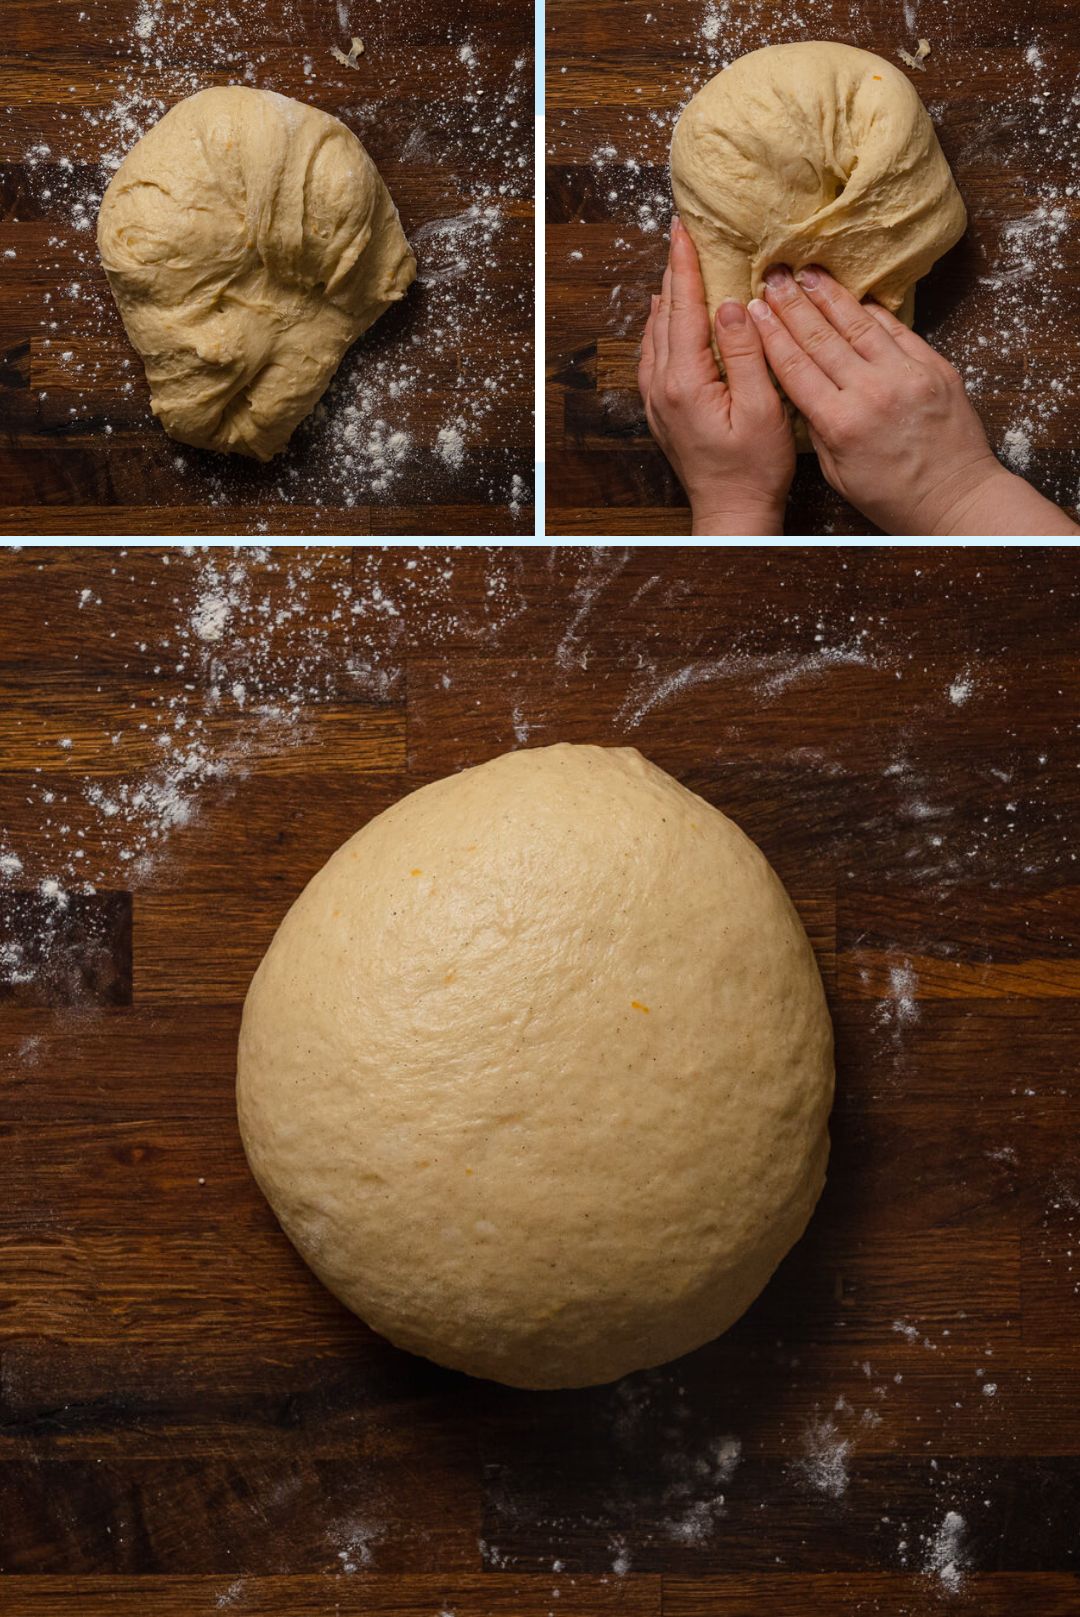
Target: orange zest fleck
(636,1005)
(878,77)
(416,872)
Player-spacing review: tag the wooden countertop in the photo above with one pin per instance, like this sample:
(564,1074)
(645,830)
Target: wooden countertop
(189,1423)
(443,103)
(1001,305)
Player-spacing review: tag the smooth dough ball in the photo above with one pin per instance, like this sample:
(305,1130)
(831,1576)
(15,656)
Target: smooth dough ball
(536,1072)
(248,240)
(814,153)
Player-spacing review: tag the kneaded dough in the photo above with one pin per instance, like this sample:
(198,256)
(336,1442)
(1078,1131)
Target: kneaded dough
(814,153)
(248,240)
(537,1069)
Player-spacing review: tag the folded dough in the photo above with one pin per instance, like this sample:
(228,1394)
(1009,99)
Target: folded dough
(248,240)
(814,153)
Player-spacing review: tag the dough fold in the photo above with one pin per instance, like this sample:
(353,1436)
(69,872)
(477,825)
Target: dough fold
(248,240)
(814,153)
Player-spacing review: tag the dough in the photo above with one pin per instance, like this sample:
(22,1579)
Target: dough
(248,240)
(537,1069)
(814,153)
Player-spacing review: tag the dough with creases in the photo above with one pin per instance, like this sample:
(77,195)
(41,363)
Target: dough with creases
(537,1069)
(814,153)
(248,240)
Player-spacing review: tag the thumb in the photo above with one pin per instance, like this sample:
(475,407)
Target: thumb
(743,356)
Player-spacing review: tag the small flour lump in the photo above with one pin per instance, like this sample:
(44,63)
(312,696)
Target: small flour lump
(536,1071)
(248,240)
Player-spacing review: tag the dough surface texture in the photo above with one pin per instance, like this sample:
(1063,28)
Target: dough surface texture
(814,153)
(248,240)
(536,1072)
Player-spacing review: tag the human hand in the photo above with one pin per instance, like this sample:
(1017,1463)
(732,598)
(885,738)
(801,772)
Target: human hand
(893,428)
(729,442)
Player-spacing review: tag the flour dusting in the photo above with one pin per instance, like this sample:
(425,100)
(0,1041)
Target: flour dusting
(823,1465)
(1007,335)
(946,1557)
(453,357)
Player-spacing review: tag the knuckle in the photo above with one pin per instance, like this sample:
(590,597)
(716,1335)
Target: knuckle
(841,429)
(861,327)
(739,350)
(790,364)
(673,390)
(817,338)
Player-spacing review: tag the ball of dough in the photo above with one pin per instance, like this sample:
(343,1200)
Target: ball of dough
(248,240)
(813,153)
(536,1072)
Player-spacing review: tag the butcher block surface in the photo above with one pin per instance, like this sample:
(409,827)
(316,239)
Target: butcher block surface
(999,85)
(440,390)
(190,1423)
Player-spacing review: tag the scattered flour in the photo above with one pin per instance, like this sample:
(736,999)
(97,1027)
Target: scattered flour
(1002,336)
(770,676)
(899,1008)
(1016,446)
(450,444)
(354,1544)
(699,1493)
(824,1462)
(961,689)
(946,1557)
(456,355)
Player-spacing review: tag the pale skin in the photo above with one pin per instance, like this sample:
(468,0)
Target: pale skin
(893,429)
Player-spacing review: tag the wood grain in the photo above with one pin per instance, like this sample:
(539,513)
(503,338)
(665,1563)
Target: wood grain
(617,76)
(450,132)
(494,1595)
(190,1423)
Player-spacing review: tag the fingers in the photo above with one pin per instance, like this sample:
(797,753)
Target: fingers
(688,333)
(902,336)
(647,362)
(852,319)
(808,387)
(744,359)
(830,352)
(662,322)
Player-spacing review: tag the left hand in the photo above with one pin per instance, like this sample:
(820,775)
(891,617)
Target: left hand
(730,441)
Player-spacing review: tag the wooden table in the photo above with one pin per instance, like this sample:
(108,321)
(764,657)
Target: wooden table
(1001,305)
(190,1423)
(443,103)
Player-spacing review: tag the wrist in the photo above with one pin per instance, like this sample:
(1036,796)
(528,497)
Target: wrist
(760,518)
(1006,505)
(950,506)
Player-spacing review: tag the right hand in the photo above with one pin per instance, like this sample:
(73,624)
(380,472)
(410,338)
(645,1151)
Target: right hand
(893,428)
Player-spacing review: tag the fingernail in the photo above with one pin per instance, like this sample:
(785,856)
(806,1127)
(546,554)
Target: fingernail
(760,310)
(654,303)
(676,223)
(731,313)
(808,277)
(777,277)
